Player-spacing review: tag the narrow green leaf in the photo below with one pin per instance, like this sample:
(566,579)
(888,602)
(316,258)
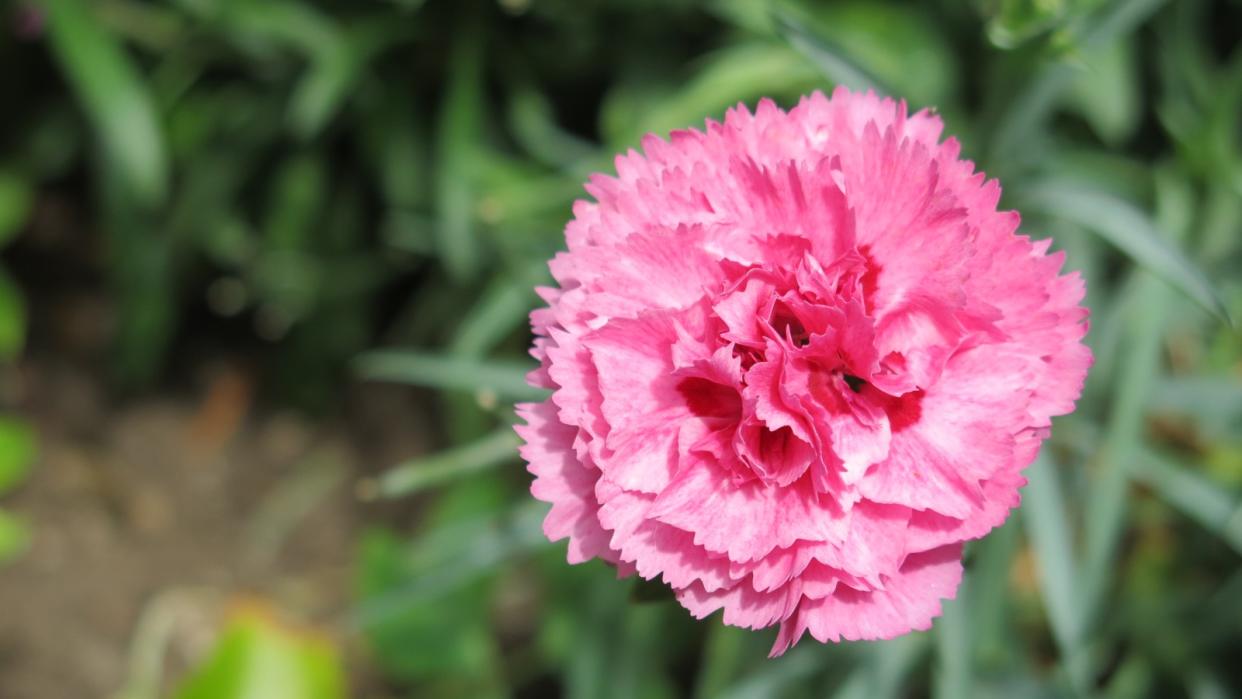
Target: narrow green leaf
(504,379)
(419,474)
(1131,231)
(1215,508)
(777,676)
(457,138)
(1046,520)
(114,95)
(319,94)
(502,308)
(1146,317)
(991,560)
(832,61)
(454,554)
(533,122)
(742,71)
(886,668)
(722,655)
(1107,91)
(954,657)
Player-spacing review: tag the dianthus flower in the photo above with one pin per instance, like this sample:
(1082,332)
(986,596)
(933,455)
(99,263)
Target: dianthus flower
(797,360)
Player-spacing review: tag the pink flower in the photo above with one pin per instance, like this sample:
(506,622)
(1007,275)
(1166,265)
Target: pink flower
(796,362)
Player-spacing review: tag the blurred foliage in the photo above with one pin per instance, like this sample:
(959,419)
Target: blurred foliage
(333,177)
(17,440)
(257,658)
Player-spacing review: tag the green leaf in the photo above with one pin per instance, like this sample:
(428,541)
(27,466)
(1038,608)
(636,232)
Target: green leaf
(826,55)
(1013,22)
(1107,91)
(743,71)
(503,379)
(1215,508)
(14,536)
(12,319)
(1131,231)
(885,668)
(892,48)
(954,657)
(775,677)
(114,95)
(257,658)
(433,637)
(1146,314)
(16,198)
(457,137)
(455,554)
(17,452)
(1046,520)
(419,474)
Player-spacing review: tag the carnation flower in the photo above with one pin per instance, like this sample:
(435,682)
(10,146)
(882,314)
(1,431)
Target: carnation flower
(797,360)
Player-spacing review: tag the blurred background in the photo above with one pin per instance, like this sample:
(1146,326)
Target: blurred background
(266,271)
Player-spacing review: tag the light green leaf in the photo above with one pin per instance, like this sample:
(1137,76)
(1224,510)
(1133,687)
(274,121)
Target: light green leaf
(743,71)
(257,658)
(504,379)
(17,452)
(114,95)
(419,474)
(1215,508)
(954,676)
(455,554)
(1131,231)
(1106,91)
(1046,520)
(457,139)
(831,59)
(889,47)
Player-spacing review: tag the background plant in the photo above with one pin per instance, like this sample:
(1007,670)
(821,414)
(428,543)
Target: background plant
(377,185)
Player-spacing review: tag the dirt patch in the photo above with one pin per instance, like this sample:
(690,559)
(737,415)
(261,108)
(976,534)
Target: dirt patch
(177,504)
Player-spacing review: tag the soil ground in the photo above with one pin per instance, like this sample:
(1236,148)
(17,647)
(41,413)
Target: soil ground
(171,507)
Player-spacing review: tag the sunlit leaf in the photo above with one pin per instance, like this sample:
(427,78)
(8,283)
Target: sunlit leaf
(259,658)
(17,452)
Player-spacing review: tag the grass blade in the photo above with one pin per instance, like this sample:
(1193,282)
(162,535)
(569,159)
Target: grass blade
(1218,510)
(457,137)
(1130,231)
(954,660)
(114,96)
(419,474)
(455,554)
(503,379)
(1047,529)
(826,56)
